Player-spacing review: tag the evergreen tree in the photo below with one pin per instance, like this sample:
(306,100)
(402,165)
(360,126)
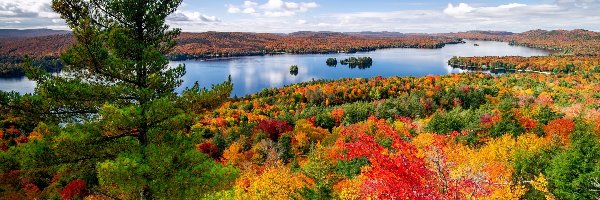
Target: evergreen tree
(115,121)
(574,173)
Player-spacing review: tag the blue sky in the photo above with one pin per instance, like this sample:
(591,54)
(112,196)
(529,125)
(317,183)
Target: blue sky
(283,16)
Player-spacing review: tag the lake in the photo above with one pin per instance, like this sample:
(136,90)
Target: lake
(253,73)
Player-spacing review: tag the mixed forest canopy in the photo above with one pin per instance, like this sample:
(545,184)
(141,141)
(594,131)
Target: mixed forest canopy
(112,127)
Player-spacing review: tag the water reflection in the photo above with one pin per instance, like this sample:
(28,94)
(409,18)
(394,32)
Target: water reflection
(18,84)
(252,74)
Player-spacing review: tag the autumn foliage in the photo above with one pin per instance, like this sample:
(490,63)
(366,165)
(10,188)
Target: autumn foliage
(458,136)
(273,128)
(396,171)
(560,129)
(75,189)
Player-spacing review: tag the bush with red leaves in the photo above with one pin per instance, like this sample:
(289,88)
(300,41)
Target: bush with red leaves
(528,123)
(209,148)
(396,172)
(76,188)
(22,140)
(561,129)
(3,146)
(273,128)
(31,190)
(12,131)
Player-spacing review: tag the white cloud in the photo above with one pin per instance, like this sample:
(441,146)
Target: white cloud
(189,16)
(514,17)
(232,8)
(279,13)
(249,10)
(27,14)
(272,8)
(459,10)
(26,9)
(578,3)
(249,4)
(464,10)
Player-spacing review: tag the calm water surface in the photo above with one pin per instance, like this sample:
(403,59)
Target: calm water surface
(252,74)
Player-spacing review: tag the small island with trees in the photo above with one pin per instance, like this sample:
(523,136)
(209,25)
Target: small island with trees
(360,62)
(352,62)
(332,62)
(294,70)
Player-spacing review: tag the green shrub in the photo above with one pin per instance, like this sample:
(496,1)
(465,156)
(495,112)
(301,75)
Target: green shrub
(357,112)
(572,173)
(457,119)
(324,120)
(529,165)
(405,106)
(351,168)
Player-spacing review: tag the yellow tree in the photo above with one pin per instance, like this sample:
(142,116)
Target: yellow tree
(275,182)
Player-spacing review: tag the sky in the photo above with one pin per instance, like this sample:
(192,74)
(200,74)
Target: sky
(285,16)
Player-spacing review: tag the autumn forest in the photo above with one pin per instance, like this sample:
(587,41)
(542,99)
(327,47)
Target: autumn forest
(110,125)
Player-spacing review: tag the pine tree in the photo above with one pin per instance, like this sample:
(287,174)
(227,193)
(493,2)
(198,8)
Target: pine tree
(115,119)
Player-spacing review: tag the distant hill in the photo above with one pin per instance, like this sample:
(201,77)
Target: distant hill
(492,32)
(317,34)
(578,41)
(374,34)
(35,47)
(40,43)
(377,34)
(16,33)
(479,35)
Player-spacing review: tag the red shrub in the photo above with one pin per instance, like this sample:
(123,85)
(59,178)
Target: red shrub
(13,131)
(209,148)
(273,128)
(528,123)
(76,188)
(21,140)
(3,146)
(220,122)
(488,120)
(31,190)
(396,171)
(337,115)
(560,128)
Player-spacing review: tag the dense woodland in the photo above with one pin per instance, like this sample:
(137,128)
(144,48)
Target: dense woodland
(574,42)
(529,136)
(45,50)
(114,128)
(536,63)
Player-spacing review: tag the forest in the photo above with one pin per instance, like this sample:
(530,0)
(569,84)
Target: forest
(46,50)
(570,49)
(113,126)
(537,63)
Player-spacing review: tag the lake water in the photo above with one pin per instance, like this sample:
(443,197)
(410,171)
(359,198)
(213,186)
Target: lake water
(252,74)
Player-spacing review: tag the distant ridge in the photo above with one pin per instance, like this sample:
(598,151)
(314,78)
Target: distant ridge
(492,32)
(377,34)
(24,33)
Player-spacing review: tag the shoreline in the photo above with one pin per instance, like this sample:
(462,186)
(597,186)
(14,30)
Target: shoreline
(9,66)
